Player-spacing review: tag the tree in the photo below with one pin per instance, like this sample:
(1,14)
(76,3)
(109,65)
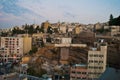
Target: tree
(114,21)
(31,29)
(111,17)
(14,31)
(37,29)
(34,50)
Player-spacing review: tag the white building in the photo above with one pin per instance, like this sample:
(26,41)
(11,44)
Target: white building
(63,28)
(66,40)
(97,61)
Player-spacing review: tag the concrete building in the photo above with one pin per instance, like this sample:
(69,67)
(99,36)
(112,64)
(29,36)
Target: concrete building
(37,39)
(66,40)
(97,61)
(27,44)
(115,30)
(63,28)
(64,51)
(45,25)
(13,46)
(64,55)
(98,26)
(78,72)
(78,29)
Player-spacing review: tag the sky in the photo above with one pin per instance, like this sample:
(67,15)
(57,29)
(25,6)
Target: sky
(20,12)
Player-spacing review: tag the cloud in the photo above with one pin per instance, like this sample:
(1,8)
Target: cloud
(26,11)
(22,11)
(11,12)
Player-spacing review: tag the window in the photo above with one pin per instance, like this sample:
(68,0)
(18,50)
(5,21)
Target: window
(100,61)
(100,55)
(83,72)
(100,67)
(78,77)
(73,71)
(91,55)
(91,61)
(78,72)
(95,55)
(96,61)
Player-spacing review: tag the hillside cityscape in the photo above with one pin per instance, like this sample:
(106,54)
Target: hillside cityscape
(61,50)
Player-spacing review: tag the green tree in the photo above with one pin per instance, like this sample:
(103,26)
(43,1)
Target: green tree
(31,29)
(111,17)
(34,50)
(37,29)
(114,21)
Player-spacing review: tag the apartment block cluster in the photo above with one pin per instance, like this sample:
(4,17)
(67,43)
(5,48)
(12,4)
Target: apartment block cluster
(16,46)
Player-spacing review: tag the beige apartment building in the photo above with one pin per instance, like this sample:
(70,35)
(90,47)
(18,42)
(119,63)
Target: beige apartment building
(97,61)
(78,72)
(14,47)
(11,46)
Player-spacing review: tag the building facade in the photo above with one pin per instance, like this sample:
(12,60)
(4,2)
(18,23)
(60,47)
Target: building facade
(78,72)
(27,44)
(11,46)
(97,62)
(14,47)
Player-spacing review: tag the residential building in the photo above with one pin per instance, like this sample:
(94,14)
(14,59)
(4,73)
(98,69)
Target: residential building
(63,28)
(45,25)
(12,46)
(78,29)
(37,39)
(97,61)
(64,40)
(98,26)
(78,72)
(115,30)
